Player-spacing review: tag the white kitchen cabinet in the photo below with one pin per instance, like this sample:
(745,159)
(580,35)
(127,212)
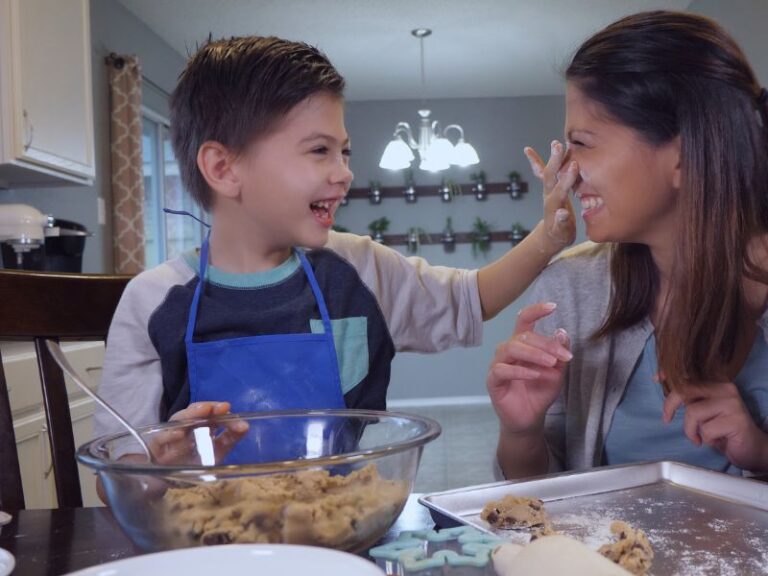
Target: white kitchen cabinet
(46,101)
(29,425)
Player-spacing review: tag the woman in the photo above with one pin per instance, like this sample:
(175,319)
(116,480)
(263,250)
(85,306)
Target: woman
(650,344)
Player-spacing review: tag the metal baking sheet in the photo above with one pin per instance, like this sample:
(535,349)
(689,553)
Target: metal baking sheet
(699,522)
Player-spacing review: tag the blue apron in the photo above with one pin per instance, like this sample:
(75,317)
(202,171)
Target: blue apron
(265,373)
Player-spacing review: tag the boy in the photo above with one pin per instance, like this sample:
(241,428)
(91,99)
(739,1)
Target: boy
(254,322)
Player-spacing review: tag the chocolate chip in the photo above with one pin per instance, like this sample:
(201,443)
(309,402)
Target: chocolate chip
(215,538)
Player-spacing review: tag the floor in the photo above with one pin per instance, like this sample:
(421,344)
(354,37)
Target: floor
(464,452)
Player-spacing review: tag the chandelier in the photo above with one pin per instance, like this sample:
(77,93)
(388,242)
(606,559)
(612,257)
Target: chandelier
(435,151)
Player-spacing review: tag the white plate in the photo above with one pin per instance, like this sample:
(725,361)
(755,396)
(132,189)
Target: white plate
(239,560)
(6,562)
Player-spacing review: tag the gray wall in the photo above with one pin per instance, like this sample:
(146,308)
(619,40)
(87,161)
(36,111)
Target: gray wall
(747,21)
(113,29)
(499,128)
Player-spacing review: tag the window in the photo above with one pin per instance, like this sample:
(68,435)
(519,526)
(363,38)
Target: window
(165,235)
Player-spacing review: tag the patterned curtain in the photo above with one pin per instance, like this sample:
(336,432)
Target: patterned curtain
(127,171)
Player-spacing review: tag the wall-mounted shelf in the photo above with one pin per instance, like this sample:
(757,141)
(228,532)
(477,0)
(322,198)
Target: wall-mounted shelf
(460,237)
(435,190)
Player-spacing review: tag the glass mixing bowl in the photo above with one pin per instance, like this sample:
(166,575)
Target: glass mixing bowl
(334,478)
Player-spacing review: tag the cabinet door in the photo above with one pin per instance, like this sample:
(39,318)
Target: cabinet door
(53,115)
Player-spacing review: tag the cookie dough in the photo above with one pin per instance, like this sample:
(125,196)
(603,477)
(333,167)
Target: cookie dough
(307,507)
(515,512)
(545,529)
(553,555)
(631,551)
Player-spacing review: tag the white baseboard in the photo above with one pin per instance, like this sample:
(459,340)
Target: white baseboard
(438,402)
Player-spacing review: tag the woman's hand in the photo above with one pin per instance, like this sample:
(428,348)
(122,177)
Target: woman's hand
(715,415)
(559,176)
(180,446)
(527,373)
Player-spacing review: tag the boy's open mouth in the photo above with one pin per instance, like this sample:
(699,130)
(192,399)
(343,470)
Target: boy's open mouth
(323,211)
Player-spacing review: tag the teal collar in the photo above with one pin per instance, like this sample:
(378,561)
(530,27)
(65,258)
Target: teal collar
(248,280)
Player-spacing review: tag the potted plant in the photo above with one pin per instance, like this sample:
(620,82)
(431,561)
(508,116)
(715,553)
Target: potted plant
(374,196)
(518,233)
(448,237)
(377,228)
(410,188)
(413,240)
(515,188)
(337,228)
(479,188)
(481,236)
(449,189)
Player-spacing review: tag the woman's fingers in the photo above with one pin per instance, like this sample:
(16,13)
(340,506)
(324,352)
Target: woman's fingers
(671,404)
(715,432)
(528,316)
(555,346)
(502,372)
(537,164)
(557,154)
(515,351)
(564,186)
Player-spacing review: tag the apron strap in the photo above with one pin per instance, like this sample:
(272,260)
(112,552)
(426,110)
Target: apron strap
(318,294)
(192,319)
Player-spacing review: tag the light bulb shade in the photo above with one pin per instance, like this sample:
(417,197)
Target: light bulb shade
(437,156)
(464,155)
(433,164)
(397,155)
(440,152)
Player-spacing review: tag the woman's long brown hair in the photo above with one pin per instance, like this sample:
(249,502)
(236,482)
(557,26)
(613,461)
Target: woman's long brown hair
(669,74)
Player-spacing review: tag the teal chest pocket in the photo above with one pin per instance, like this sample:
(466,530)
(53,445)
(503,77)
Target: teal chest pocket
(350,335)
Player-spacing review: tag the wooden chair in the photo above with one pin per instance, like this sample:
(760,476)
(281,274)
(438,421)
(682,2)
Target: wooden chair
(35,306)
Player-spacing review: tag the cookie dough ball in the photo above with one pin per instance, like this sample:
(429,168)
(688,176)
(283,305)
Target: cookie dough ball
(545,529)
(514,512)
(632,550)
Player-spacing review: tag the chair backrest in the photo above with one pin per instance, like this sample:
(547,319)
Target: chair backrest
(35,306)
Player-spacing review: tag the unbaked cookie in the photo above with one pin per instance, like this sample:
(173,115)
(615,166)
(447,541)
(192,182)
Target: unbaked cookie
(632,550)
(545,529)
(515,512)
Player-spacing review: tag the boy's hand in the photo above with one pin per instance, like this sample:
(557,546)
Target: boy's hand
(201,410)
(715,415)
(558,175)
(527,373)
(180,447)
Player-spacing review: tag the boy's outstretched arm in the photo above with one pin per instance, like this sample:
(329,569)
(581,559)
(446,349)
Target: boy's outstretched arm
(503,281)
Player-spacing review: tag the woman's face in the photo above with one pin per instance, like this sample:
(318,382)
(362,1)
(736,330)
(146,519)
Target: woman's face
(628,187)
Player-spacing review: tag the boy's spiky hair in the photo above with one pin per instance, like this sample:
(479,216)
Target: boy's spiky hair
(235,90)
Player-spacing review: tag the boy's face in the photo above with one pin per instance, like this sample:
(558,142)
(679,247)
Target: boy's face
(293,179)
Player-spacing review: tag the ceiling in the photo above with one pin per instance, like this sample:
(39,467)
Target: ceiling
(479,48)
